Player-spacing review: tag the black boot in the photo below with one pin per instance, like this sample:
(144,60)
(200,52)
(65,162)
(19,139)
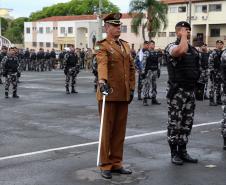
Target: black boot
(139,96)
(155,102)
(15,95)
(219,102)
(175,158)
(1,81)
(145,102)
(6,95)
(185,156)
(73,90)
(224,147)
(67,90)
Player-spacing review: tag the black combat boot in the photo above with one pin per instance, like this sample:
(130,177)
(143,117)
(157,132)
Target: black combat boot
(175,158)
(67,90)
(155,102)
(139,96)
(145,102)
(6,95)
(219,102)
(224,147)
(73,90)
(185,156)
(15,95)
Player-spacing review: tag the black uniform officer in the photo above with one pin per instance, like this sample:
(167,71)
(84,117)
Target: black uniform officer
(2,55)
(215,74)
(184,71)
(71,69)
(10,65)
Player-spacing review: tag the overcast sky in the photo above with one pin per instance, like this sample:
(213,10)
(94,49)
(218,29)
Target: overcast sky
(23,8)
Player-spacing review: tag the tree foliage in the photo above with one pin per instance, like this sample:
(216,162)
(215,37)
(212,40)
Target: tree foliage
(156,13)
(14,29)
(74,7)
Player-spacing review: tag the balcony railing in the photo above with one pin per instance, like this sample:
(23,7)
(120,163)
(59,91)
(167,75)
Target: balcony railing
(4,42)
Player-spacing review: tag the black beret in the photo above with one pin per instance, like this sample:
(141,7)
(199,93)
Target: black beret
(219,41)
(183,24)
(113,18)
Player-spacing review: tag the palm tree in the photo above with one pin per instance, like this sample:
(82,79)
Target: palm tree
(155,11)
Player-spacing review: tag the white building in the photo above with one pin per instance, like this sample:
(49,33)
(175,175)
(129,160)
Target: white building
(208,22)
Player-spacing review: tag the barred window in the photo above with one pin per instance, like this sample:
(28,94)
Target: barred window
(34,44)
(161,34)
(48,44)
(172,34)
(124,29)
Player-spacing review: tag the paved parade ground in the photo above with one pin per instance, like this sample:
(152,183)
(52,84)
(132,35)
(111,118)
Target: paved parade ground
(50,138)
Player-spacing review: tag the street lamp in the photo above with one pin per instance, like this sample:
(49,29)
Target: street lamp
(100,20)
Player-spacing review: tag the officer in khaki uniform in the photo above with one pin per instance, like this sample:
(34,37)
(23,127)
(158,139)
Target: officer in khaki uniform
(116,74)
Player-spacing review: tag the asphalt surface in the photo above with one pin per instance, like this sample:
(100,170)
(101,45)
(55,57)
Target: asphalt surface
(44,119)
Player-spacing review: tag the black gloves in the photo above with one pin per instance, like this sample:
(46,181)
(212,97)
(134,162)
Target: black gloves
(65,71)
(158,73)
(104,88)
(131,96)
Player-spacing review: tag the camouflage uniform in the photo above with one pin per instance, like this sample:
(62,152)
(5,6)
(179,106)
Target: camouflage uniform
(151,67)
(139,61)
(2,55)
(223,74)
(183,74)
(215,77)
(10,70)
(71,70)
(201,91)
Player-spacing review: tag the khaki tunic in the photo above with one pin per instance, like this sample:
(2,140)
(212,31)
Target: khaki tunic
(116,66)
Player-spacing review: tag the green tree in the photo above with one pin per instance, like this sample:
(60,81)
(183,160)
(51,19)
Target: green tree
(156,13)
(15,30)
(74,7)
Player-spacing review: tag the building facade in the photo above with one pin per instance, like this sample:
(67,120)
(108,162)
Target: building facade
(208,22)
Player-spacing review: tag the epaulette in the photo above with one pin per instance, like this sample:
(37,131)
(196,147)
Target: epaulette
(123,40)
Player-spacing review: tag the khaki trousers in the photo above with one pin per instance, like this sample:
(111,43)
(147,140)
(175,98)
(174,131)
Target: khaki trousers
(113,136)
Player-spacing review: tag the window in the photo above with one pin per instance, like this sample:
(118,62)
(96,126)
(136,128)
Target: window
(34,44)
(215,32)
(215,7)
(161,34)
(62,29)
(55,28)
(41,44)
(124,29)
(40,30)
(28,30)
(70,29)
(48,30)
(172,34)
(55,45)
(201,8)
(48,44)
(34,28)
(182,9)
(173,9)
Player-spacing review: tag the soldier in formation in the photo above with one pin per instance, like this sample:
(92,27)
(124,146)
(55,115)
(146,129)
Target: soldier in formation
(10,65)
(71,70)
(215,74)
(2,55)
(150,73)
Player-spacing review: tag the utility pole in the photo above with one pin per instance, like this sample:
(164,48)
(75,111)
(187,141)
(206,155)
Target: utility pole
(189,20)
(100,20)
